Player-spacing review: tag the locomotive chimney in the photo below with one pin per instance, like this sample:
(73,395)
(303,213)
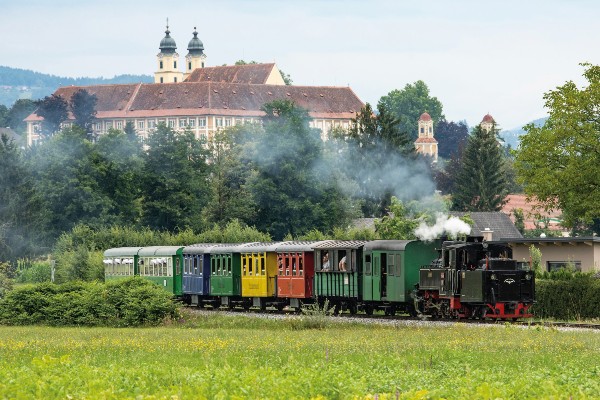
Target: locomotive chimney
(487,234)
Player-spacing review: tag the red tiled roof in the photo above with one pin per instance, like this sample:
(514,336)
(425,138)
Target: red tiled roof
(530,212)
(425,117)
(248,73)
(212,98)
(426,140)
(488,118)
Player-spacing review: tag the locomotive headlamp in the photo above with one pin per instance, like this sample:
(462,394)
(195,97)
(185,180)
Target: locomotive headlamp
(528,277)
(494,277)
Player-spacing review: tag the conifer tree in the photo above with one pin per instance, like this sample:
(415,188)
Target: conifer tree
(481,182)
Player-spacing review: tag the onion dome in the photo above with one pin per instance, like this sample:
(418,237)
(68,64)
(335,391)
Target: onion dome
(425,117)
(488,118)
(167,44)
(195,45)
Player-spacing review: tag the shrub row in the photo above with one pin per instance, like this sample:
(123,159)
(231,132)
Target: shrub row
(127,302)
(568,299)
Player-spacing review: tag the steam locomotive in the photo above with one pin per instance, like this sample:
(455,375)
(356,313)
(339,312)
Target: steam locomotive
(475,279)
(466,279)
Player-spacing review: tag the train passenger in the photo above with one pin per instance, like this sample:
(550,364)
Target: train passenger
(325,265)
(342,264)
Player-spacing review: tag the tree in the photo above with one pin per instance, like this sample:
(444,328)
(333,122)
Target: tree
(376,154)
(54,110)
(18,112)
(83,107)
(451,136)
(3,116)
(230,198)
(481,182)
(21,208)
(292,195)
(397,224)
(175,180)
(408,104)
(559,162)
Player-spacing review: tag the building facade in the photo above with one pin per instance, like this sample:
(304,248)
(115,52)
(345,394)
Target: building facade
(426,143)
(205,99)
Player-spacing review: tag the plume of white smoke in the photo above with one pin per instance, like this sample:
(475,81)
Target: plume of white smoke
(452,226)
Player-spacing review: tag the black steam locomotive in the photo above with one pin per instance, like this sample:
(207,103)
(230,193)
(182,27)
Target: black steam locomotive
(475,279)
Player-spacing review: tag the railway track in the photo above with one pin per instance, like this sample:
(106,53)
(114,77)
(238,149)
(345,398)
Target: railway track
(402,319)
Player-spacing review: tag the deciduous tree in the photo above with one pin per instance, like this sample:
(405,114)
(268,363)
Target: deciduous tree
(409,103)
(83,107)
(559,162)
(54,110)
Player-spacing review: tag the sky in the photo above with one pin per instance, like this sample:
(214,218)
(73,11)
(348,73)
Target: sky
(476,57)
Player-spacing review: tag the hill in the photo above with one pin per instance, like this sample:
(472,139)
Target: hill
(511,137)
(16,83)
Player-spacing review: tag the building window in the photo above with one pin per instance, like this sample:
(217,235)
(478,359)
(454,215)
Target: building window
(556,265)
(140,125)
(120,125)
(430,129)
(171,123)
(218,122)
(203,136)
(161,65)
(227,121)
(182,122)
(192,122)
(161,79)
(238,121)
(175,79)
(202,122)
(175,64)
(248,121)
(422,130)
(109,125)
(151,124)
(202,64)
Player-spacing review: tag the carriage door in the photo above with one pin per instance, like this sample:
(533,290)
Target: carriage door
(377,261)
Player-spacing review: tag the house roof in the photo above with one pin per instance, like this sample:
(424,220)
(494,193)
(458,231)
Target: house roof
(530,213)
(426,140)
(247,73)
(212,98)
(498,222)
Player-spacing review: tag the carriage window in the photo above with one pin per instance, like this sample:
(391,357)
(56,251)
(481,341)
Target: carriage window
(398,264)
(178,266)
(368,264)
(280,265)
(262,266)
(391,270)
(301,266)
(287,265)
(244,266)
(342,261)
(295,264)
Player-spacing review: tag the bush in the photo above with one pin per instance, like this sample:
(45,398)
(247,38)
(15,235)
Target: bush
(572,298)
(127,302)
(36,272)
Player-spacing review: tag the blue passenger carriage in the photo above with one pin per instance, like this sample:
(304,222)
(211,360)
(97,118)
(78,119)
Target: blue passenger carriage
(196,274)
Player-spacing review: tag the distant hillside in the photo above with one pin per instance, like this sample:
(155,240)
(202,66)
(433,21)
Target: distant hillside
(512,136)
(18,83)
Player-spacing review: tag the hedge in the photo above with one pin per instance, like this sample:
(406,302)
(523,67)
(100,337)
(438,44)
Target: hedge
(127,302)
(570,299)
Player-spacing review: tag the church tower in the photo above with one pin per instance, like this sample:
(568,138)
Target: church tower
(426,143)
(487,123)
(167,61)
(195,56)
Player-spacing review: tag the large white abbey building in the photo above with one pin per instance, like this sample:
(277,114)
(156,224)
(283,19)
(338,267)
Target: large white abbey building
(205,99)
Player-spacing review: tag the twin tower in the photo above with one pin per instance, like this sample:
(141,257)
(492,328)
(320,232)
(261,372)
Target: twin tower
(167,59)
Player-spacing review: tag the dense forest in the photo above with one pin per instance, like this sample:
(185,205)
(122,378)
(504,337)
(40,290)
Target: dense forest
(16,83)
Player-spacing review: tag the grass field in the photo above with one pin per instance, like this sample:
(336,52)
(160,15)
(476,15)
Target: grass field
(235,357)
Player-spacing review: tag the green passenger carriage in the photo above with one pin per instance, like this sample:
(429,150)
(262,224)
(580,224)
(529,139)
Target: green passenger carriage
(163,266)
(121,262)
(225,273)
(391,271)
(338,273)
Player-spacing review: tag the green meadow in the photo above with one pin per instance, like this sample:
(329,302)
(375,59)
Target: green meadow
(213,356)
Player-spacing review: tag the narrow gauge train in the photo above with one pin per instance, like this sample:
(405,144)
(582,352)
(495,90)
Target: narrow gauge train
(387,275)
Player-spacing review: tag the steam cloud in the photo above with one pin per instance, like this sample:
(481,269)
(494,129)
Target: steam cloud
(452,226)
